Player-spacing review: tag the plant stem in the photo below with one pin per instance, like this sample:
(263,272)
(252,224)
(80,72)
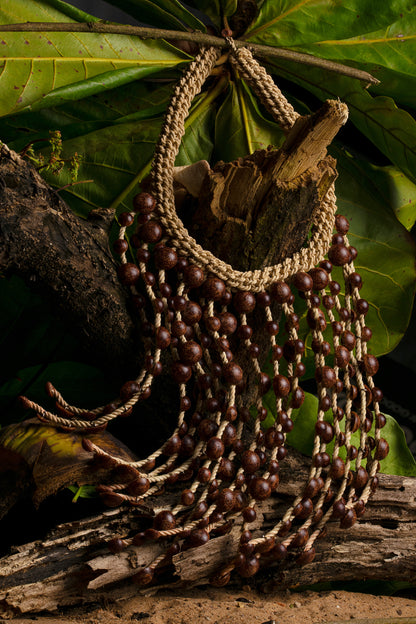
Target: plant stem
(195,37)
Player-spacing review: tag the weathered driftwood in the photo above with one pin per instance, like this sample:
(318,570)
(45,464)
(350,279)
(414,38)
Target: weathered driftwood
(71,565)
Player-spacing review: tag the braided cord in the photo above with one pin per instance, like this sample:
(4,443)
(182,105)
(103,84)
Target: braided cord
(167,149)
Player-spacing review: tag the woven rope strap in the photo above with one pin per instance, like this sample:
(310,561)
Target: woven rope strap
(164,161)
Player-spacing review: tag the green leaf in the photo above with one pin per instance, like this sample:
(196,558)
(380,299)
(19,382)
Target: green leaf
(36,64)
(399,461)
(390,187)
(240,126)
(229,7)
(117,173)
(388,54)
(83,491)
(210,8)
(391,129)
(161,13)
(288,23)
(386,252)
(71,11)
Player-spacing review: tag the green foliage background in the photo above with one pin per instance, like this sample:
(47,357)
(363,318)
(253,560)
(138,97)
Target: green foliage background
(106,94)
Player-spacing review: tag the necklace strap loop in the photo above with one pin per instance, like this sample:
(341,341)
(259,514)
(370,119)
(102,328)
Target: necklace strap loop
(164,161)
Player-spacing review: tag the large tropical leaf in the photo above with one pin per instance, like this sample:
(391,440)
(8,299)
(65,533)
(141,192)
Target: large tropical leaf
(241,128)
(288,23)
(67,65)
(399,461)
(388,54)
(161,13)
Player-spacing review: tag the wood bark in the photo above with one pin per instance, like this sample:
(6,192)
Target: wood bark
(72,565)
(70,260)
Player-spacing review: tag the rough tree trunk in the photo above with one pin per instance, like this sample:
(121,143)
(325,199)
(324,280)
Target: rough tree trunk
(70,259)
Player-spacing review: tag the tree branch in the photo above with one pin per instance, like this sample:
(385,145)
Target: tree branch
(199,38)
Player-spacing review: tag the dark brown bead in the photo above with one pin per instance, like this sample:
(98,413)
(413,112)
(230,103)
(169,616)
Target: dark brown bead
(125,219)
(165,257)
(281,385)
(151,232)
(315,301)
(139,486)
(320,278)
(259,488)
(181,373)
(324,403)
(213,323)
(285,422)
(321,460)
(229,434)
(264,383)
(249,514)
(227,298)
(380,421)
(306,557)
(370,364)
(337,468)
(337,239)
(190,352)
(348,519)
(116,545)
(144,203)
(199,537)
(207,429)
(382,449)
(326,376)
(164,521)
(272,328)
(334,288)
(225,500)
(120,246)
(178,328)
(228,323)
(300,538)
(292,322)
(214,288)
(187,446)
(244,332)
(316,319)
(312,488)
(162,338)
(215,448)
(297,398)
(342,356)
(128,390)
(303,281)
(232,372)
(226,470)
(348,340)
(278,552)
(244,302)
(339,255)
(338,509)
(280,292)
(300,369)
(128,273)
(324,430)
(264,299)
(328,302)
(204,475)
(250,462)
(173,445)
(366,334)
(144,577)
(193,276)
(248,566)
(360,478)
(355,281)
(341,224)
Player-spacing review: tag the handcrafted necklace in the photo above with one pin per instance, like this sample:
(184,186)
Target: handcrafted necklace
(193,309)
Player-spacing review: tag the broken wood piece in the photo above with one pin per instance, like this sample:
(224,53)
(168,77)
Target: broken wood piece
(73,566)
